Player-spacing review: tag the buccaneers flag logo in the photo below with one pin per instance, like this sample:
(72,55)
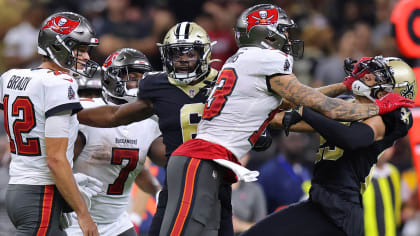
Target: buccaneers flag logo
(61,25)
(110,59)
(263,17)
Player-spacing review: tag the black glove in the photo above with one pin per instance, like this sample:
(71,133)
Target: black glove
(263,142)
(290,118)
(349,65)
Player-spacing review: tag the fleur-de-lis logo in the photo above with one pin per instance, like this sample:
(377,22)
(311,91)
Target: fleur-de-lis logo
(408,92)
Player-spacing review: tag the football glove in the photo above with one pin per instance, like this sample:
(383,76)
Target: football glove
(291,117)
(360,69)
(263,142)
(392,101)
(65,220)
(349,65)
(88,187)
(348,82)
(355,70)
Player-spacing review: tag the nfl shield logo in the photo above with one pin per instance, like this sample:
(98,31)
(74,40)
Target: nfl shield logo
(191,92)
(71,94)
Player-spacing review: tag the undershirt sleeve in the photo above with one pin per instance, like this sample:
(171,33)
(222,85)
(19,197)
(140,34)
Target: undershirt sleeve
(355,136)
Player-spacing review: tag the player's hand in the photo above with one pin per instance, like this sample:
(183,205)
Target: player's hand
(355,70)
(291,117)
(348,82)
(65,220)
(392,101)
(263,142)
(349,65)
(88,186)
(359,69)
(87,225)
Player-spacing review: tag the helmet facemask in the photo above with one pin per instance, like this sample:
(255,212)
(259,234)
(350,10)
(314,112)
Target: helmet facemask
(383,77)
(117,79)
(185,62)
(279,38)
(80,66)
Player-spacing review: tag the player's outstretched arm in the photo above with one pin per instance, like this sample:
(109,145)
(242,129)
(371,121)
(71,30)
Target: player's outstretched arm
(157,152)
(291,89)
(63,177)
(301,126)
(147,182)
(112,116)
(333,90)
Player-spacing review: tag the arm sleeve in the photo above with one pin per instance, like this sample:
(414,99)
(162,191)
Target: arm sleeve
(357,135)
(272,62)
(58,126)
(61,95)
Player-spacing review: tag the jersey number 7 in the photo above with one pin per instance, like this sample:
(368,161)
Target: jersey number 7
(118,155)
(21,126)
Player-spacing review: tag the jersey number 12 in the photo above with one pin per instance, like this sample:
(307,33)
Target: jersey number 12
(21,104)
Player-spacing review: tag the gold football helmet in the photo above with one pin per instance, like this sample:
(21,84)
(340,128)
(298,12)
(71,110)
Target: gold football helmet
(391,75)
(186,52)
(405,82)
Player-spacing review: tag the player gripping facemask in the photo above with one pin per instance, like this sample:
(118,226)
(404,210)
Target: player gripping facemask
(391,75)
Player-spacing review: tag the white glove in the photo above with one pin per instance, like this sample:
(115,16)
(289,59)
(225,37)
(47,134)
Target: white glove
(241,172)
(88,187)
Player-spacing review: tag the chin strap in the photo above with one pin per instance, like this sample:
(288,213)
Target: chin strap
(361,89)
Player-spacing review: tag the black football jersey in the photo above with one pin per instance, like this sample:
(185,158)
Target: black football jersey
(178,107)
(347,171)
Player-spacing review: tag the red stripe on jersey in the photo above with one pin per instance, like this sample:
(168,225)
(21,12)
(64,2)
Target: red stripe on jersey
(186,197)
(254,137)
(46,210)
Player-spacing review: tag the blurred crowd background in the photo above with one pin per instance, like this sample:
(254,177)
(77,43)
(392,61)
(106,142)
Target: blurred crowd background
(331,29)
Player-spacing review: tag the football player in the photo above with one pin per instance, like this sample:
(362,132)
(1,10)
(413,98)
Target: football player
(247,94)
(346,156)
(116,156)
(39,106)
(176,95)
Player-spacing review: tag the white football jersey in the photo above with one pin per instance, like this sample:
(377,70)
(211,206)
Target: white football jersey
(115,156)
(241,103)
(29,96)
